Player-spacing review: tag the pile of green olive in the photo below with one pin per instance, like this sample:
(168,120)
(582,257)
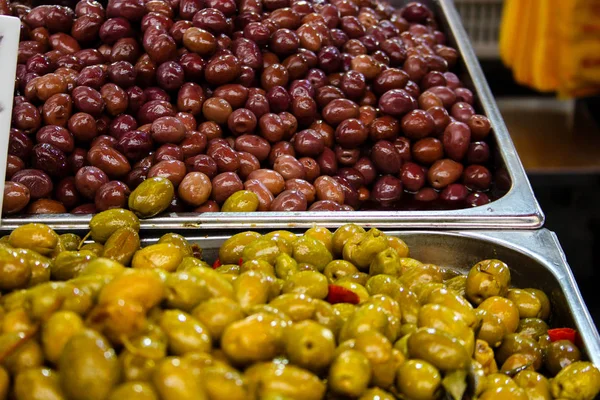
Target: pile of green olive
(323,315)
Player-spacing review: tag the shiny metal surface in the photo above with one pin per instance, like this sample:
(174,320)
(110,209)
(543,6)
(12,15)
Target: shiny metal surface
(535,259)
(517,209)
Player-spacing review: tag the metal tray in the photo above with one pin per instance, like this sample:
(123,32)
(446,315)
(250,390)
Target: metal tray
(535,259)
(517,209)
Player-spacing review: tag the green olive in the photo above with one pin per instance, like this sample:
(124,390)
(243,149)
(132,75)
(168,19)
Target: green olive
(258,337)
(578,381)
(342,235)
(40,266)
(96,248)
(322,234)
(367,317)
(418,380)
(453,300)
(37,237)
(26,355)
(386,262)
(532,327)
(231,250)
(38,384)
(218,313)
(296,306)
(504,309)
(107,222)
(527,303)
(447,320)
(407,263)
(420,275)
(544,301)
(492,329)
(399,245)
(252,288)
(326,315)
(264,248)
(535,385)
(350,374)
(70,241)
(288,236)
(313,284)
(88,367)
(185,332)
(241,201)
(458,284)
(309,345)
(101,266)
(559,354)
(122,245)
(285,266)
(424,290)
(258,265)
(438,348)
(504,393)
(189,262)
(515,343)
(144,352)
(283,382)
(186,289)
(360,249)
(15,271)
(57,331)
(179,241)
(338,269)
(309,250)
(164,256)
(486,279)
(484,355)
(133,391)
(174,380)
(222,382)
(68,264)
(151,197)
(391,286)
(387,303)
(374,345)
(143,287)
(377,394)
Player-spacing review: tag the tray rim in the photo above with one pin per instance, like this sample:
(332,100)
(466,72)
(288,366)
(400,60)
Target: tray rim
(517,209)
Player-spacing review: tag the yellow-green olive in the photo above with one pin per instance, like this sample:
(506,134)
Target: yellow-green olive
(37,237)
(486,279)
(164,256)
(151,197)
(241,201)
(350,374)
(88,367)
(231,250)
(107,222)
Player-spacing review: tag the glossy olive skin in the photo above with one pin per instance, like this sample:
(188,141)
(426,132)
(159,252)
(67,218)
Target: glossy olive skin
(487,278)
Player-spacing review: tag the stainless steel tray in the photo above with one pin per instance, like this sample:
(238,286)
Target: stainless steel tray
(535,259)
(517,209)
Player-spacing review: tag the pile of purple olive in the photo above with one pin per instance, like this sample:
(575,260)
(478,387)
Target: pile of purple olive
(349,104)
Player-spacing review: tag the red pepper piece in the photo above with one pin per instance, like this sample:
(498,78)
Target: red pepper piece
(339,294)
(216,264)
(240,262)
(564,334)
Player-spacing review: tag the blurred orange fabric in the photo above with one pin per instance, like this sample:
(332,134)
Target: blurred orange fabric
(553,45)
